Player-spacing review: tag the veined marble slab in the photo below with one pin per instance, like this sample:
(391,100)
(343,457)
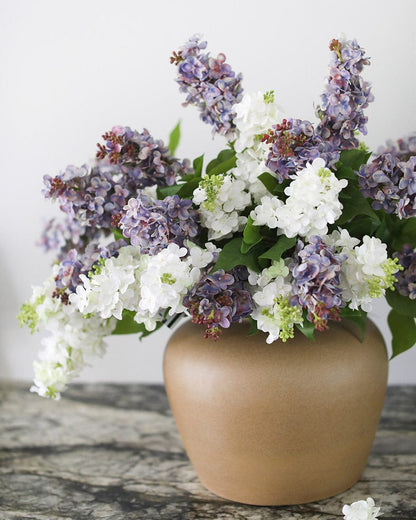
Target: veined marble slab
(112,452)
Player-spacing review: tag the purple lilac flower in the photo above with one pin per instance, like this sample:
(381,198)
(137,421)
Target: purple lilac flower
(403,149)
(153,224)
(346,96)
(129,162)
(390,183)
(76,263)
(316,272)
(141,157)
(406,279)
(219,299)
(293,144)
(210,84)
(89,199)
(65,235)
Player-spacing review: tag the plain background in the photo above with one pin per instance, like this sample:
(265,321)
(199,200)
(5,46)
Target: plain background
(72,70)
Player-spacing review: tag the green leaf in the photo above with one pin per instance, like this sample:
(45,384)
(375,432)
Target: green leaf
(272,184)
(404,233)
(283,244)
(354,158)
(356,316)
(165,191)
(197,165)
(127,325)
(251,236)
(401,304)
(253,326)
(403,329)
(174,138)
(231,256)
(364,225)
(187,189)
(225,161)
(117,234)
(354,203)
(346,172)
(307,329)
(269,181)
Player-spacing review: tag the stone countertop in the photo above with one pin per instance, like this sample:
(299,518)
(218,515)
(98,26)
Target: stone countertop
(109,451)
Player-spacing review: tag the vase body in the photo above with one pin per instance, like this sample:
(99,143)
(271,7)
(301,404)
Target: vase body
(278,424)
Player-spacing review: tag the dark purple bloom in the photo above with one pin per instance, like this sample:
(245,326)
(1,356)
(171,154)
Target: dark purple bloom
(153,224)
(390,183)
(403,148)
(219,299)
(293,144)
(210,84)
(66,235)
(141,157)
(406,279)
(345,97)
(316,272)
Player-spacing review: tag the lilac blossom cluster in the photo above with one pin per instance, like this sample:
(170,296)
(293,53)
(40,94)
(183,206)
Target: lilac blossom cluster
(294,143)
(64,235)
(77,262)
(219,299)
(142,159)
(210,84)
(346,96)
(153,224)
(316,281)
(403,148)
(92,196)
(406,279)
(390,183)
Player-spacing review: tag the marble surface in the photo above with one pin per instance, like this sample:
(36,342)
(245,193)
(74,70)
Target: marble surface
(112,452)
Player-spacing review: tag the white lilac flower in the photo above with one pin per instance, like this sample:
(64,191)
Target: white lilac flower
(249,165)
(202,257)
(367,272)
(265,213)
(221,199)
(278,268)
(361,510)
(104,292)
(273,312)
(163,283)
(72,341)
(255,114)
(312,201)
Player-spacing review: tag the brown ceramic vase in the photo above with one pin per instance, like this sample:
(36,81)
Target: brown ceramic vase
(278,424)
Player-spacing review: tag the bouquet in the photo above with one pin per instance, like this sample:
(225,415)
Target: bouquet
(293,225)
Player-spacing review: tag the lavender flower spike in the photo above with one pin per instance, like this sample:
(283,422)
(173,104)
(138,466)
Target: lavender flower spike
(317,286)
(210,84)
(406,279)
(152,225)
(345,97)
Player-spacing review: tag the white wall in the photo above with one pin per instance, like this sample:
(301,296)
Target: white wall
(71,70)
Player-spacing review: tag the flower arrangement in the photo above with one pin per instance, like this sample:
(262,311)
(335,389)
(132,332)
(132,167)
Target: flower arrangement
(293,225)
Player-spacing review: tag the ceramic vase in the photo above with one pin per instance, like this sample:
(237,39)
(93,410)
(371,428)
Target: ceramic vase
(279,424)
